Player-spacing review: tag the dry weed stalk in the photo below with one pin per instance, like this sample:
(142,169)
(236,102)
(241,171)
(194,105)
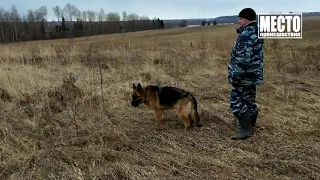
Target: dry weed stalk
(90,57)
(297,69)
(202,39)
(312,57)
(69,88)
(74,110)
(277,51)
(101,83)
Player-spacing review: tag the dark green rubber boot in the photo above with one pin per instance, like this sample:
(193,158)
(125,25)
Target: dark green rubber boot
(254,119)
(244,126)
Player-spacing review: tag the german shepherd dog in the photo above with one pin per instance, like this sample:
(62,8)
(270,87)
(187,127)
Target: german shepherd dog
(166,98)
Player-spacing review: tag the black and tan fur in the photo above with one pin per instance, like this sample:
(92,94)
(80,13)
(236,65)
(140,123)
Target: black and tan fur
(167,98)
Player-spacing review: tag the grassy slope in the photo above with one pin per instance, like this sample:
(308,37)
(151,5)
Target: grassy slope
(46,133)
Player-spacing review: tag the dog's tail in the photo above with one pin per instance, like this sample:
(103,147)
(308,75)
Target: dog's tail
(194,115)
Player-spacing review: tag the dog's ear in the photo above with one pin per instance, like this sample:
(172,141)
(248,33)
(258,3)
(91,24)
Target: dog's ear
(134,86)
(139,88)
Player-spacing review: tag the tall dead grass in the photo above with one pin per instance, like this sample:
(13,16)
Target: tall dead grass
(66,113)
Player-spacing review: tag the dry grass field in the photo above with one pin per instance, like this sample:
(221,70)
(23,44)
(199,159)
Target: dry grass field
(53,128)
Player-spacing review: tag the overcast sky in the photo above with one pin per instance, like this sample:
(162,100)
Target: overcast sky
(170,9)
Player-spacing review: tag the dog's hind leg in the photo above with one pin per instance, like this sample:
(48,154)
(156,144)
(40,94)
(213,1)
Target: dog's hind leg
(187,123)
(159,116)
(183,112)
(195,117)
(193,111)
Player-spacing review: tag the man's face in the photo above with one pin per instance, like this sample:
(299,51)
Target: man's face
(242,21)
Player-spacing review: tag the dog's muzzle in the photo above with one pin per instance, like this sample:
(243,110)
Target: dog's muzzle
(136,102)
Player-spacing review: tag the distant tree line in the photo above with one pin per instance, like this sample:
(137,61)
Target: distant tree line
(203,23)
(183,23)
(71,23)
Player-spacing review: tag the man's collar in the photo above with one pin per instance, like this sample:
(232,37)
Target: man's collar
(240,29)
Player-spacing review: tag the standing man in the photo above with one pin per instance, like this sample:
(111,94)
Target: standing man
(245,72)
